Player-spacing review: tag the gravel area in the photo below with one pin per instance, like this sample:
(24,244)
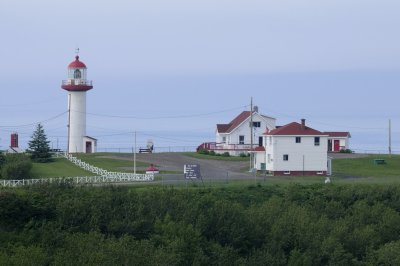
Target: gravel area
(174,162)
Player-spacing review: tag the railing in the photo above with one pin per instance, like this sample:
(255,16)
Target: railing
(73,180)
(105,173)
(156,149)
(103,176)
(77,82)
(225,146)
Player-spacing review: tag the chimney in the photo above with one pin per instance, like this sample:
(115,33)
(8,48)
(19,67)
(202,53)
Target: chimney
(303,124)
(255,108)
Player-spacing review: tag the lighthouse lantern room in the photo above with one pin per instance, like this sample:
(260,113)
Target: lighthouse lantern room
(77,85)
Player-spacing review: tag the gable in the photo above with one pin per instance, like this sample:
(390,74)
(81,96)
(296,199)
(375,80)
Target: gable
(239,120)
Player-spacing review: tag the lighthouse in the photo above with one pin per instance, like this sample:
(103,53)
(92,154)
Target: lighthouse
(77,85)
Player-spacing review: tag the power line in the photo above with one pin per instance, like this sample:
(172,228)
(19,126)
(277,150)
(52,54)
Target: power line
(323,123)
(164,117)
(35,123)
(30,103)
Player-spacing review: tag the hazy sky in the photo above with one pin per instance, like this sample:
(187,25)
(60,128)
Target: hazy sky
(173,69)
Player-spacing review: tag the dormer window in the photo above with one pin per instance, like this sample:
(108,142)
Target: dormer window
(77,74)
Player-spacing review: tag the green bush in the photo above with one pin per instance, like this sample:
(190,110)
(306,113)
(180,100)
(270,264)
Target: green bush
(212,153)
(346,151)
(226,154)
(243,154)
(16,166)
(205,152)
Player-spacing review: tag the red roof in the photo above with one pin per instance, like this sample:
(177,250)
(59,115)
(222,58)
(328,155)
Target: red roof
(152,168)
(295,128)
(259,148)
(226,128)
(77,63)
(338,134)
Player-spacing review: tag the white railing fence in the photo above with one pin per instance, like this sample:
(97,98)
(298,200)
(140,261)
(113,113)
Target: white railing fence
(105,173)
(102,176)
(72,180)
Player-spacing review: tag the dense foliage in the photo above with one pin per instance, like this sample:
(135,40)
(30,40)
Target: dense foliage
(39,146)
(256,225)
(15,166)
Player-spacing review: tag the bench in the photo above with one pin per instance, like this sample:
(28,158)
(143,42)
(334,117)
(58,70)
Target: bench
(379,161)
(141,150)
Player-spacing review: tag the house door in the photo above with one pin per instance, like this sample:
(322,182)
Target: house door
(260,141)
(88,147)
(329,145)
(336,145)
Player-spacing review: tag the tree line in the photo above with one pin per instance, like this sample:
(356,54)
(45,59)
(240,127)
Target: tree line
(252,225)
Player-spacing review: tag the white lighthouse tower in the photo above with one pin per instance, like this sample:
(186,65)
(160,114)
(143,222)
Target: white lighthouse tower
(77,85)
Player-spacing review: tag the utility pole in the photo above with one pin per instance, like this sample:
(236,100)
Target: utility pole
(390,138)
(251,134)
(134,157)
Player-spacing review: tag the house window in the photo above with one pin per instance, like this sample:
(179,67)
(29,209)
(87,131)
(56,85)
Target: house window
(256,124)
(316,141)
(241,139)
(223,139)
(298,139)
(286,157)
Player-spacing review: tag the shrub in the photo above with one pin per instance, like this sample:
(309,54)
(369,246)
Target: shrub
(346,151)
(243,154)
(17,166)
(212,153)
(205,152)
(226,154)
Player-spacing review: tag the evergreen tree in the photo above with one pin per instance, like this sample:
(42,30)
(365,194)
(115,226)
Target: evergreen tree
(39,146)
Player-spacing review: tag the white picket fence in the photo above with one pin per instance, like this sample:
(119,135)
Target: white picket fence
(72,180)
(103,176)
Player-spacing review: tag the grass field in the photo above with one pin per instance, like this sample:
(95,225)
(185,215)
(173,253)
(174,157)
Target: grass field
(365,167)
(60,167)
(106,161)
(345,171)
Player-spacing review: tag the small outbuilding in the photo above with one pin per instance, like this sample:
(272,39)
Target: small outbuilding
(152,170)
(338,141)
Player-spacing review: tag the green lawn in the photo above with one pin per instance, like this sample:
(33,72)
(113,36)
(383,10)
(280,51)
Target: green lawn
(218,158)
(105,161)
(365,167)
(60,167)
(345,171)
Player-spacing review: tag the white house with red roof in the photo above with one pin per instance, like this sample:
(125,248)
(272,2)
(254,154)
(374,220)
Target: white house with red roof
(338,141)
(235,137)
(293,149)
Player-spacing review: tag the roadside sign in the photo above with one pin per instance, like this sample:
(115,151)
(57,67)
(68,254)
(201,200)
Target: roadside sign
(192,171)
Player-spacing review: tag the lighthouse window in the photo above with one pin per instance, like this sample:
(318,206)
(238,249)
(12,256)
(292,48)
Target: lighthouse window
(77,74)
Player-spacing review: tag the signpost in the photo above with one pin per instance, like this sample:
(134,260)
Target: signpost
(192,172)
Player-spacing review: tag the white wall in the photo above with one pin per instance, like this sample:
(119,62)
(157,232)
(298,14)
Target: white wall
(343,142)
(77,121)
(259,158)
(315,157)
(244,129)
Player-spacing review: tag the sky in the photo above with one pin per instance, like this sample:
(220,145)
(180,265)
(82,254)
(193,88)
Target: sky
(171,70)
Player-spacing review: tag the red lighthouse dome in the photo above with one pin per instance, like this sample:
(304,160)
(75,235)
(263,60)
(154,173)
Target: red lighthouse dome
(77,77)
(77,63)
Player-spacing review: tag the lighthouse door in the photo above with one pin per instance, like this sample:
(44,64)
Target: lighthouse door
(88,147)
